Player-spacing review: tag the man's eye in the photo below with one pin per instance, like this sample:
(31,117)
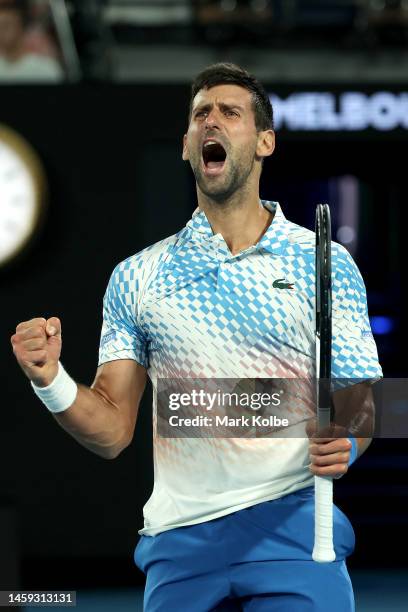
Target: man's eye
(231,113)
(200,113)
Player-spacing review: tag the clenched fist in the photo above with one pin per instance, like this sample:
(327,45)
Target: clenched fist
(37,347)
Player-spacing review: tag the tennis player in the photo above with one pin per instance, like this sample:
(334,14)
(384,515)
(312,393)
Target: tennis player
(230,521)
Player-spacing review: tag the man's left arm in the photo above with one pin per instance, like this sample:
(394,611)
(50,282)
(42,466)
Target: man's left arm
(354,418)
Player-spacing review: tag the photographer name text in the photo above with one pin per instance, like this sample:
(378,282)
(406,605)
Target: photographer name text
(226,421)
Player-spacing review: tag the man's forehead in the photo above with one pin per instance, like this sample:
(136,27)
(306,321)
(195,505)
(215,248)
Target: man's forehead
(223,94)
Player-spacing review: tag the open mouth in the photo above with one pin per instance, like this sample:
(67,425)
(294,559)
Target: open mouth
(214,156)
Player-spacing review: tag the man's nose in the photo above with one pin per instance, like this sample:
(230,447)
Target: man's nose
(211,120)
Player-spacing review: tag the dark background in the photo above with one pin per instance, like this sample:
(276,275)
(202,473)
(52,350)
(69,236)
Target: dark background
(117,184)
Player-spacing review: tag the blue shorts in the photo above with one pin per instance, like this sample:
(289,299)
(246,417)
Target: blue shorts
(257,559)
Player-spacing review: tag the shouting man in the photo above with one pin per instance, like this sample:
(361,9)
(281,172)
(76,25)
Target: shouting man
(229,524)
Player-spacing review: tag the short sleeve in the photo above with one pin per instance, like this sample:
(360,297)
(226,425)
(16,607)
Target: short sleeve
(354,352)
(122,336)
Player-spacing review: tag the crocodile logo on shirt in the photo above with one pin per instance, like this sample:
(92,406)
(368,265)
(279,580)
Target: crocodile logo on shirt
(281,283)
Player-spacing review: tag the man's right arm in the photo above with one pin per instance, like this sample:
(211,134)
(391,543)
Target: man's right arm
(102,417)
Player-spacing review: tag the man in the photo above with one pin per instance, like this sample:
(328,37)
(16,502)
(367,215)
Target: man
(230,520)
(16,64)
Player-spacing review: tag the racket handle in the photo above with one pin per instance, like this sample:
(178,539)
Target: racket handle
(323,550)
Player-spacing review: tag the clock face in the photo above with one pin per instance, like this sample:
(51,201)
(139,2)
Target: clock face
(21,194)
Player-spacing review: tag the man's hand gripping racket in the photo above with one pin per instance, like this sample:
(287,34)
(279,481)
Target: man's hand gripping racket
(323,550)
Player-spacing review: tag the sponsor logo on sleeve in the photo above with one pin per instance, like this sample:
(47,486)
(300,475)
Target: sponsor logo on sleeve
(108,337)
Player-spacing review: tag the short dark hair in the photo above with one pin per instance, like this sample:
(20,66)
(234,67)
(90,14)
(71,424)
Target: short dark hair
(231,74)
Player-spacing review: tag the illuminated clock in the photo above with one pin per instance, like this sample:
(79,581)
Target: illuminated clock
(22,194)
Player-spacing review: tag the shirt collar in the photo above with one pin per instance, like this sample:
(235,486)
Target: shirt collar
(274,240)
(276,236)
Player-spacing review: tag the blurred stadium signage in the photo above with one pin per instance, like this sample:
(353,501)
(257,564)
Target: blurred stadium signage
(349,110)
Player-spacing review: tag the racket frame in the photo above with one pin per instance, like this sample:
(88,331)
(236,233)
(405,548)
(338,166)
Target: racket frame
(323,550)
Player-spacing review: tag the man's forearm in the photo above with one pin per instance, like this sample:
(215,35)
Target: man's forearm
(362,445)
(355,411)
(95,422)
(331,455)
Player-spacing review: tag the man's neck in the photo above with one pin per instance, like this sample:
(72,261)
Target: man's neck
(241,222)
(14,55)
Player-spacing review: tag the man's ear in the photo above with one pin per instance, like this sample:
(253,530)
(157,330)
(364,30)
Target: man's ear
(185,152)
(266,143)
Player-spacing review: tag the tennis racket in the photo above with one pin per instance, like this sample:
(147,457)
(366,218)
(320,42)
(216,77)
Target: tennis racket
(323,550)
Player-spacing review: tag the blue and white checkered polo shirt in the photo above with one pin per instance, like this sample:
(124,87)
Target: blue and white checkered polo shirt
(187,308)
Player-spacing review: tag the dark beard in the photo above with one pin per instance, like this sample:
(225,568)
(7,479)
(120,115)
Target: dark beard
(222,194)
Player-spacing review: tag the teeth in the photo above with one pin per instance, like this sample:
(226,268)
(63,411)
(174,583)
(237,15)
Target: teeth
(210,142)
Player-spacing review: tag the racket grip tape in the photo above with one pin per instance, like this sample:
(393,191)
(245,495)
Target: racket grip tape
(323,550)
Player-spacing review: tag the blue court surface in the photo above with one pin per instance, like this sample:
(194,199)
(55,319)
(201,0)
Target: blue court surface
(376,591)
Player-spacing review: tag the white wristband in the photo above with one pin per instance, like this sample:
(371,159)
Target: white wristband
(60,394)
